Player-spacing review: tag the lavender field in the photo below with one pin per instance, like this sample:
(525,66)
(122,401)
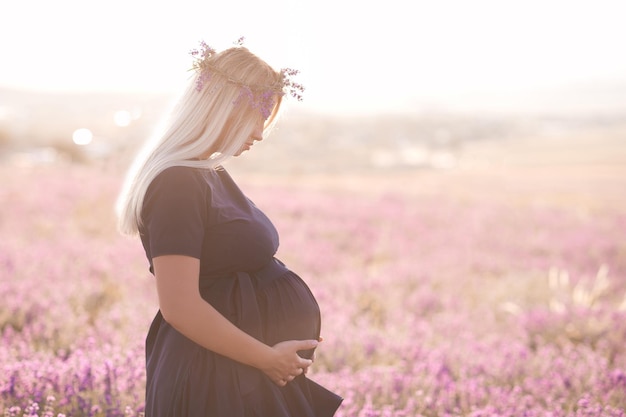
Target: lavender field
(458,293)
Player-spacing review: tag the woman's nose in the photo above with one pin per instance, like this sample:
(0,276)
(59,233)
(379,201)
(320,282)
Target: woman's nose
(258,134)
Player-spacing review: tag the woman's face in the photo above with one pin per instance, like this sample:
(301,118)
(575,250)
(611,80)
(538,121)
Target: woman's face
(257,135)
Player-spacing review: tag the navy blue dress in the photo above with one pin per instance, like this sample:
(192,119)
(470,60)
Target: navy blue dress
(204,214)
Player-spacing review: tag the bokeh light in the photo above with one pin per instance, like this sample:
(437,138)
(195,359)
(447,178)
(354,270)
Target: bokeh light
(82,136)
(122,118)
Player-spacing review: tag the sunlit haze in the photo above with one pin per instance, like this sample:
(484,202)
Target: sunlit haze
(353,56)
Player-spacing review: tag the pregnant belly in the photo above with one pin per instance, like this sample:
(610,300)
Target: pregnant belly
(289,311)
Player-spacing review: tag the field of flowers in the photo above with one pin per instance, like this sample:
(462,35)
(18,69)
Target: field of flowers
(432,305)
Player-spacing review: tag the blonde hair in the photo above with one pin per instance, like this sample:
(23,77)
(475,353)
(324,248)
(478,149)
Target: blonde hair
(205,128)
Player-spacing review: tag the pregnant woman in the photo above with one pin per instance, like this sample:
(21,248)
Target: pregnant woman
(236,329)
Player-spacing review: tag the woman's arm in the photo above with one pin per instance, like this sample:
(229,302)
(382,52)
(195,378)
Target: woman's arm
(182,307)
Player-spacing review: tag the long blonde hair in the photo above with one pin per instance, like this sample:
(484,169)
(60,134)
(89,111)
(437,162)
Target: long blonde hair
(205,128)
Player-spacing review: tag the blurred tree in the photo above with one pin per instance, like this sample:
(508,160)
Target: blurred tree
(69,151)
(5,138)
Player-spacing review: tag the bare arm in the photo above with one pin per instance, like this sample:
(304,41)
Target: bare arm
(183,308)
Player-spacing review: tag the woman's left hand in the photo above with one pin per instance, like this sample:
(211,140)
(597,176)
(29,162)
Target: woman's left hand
(286,364)
(321,339)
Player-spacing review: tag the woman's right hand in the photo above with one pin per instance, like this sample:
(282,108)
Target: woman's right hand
(286,364)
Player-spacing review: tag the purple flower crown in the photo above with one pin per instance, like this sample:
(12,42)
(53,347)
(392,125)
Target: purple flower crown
(261,97)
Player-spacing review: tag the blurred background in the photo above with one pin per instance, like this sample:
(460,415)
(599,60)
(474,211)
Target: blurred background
(453,165)
(392,87)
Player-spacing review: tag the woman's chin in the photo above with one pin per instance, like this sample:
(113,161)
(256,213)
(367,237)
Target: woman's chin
(243,149)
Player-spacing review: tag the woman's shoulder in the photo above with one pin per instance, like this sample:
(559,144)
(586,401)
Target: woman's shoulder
(179,171)
(179,178)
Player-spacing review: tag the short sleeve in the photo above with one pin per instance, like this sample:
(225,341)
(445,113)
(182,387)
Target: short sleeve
(174,213)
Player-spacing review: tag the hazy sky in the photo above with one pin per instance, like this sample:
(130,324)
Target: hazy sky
(354,55)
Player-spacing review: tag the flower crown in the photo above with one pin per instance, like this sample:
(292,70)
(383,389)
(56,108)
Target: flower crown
(261,97)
